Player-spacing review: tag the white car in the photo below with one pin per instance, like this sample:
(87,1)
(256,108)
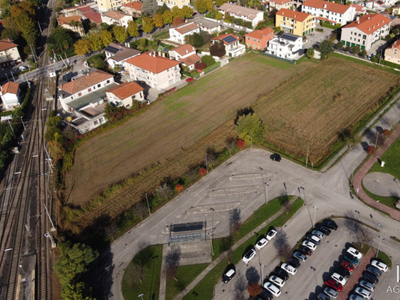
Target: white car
(261,243)
(317,233)
(309,244)
(353,251)
(277,280)
(271,234)
(313,238)
(363,292)
(380,265)
(288,268)
(338,278)
(22,68)
(272,288)
(249,255)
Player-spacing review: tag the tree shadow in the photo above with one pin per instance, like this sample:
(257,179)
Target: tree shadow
(252,275)
(364,145)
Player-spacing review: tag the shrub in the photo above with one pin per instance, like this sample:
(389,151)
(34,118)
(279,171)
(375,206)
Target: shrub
(179,188)
(208,60)
(386,132)
(202,171)
(200,66)
(371,150)
(240,144)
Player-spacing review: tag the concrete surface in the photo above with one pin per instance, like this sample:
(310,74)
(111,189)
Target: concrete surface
(382,184)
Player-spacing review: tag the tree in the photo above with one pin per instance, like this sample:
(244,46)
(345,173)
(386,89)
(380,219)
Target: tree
(95,42)
(59,40)
(187,12)
(347,135)
(254,289)
(179,188)
(218,49)
(143,259)
(106,37)
(386,132)
(371,150)
(339,45)
(163,192)
(250,127)
(149,8)
(240,144)
(202,171)
(167,17)
(148,25)
(282,246)
(364,53)
(177,21)
(326,48)
(163,9)
(220,2)
(208,60)
(172,261)
(347,49)
(177,12)
(209,5)
(356,50)
(132,29)
(120,34)
(56,149)
(201,6)
(78,291)
(53,126)
(234,220)
(310,52)
(158,20)
(24,16)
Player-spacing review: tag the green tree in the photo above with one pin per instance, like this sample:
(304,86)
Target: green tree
(24,16)
(148,25)
(209,5)
(168,17)
(208,60)
(158,21)
(82,47)
(95,42)
(133,30)
(106,37)
(356,50)
(250,127)
(143,259)
(364,53)
(310,52)
(120,34)
(163,9)
(201,6)
(53,127)
(339,45)
(218,49)
(326,48)
(149,8)
(177,12)
(347,49)
(187,12)
(79,291)
(59,39)
(220,2)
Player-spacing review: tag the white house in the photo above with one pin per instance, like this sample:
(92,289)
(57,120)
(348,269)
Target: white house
(116,55)
(332,12)
(9,54)
(247,14)
(125,93)
(232,46)
(10,95)
(186,54)
(157,71)
(278,4)
(114,17)
(208,25)
(178,33)
(365,31)
(288,46)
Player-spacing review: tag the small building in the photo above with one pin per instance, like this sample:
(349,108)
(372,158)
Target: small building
(246,14)
(186,54)
(295,22)
(105,5)
(331,12)
(287,46)
(10,95)
(258,39)
(178,33)
(232,46)
(359,9)
(117,18)
(9,54)
(133,8)
(392,53)
(279,4)
(172,3)
(208,25)
(73,23)
(125,93)
(396,10)
(116,55)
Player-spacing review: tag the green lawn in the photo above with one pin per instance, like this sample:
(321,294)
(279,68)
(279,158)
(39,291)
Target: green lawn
(388,201)
(131,285)
(392,161)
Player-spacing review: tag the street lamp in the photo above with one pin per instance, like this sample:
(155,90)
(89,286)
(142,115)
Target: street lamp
(302,192)
(262,273)
(380,241)
(141,296)
(315,210)
(212,230)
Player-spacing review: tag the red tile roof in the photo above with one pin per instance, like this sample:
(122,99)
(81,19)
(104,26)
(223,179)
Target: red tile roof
(84,9)
(134,5)
(93,16)
(295,15)
(7,44)
(281,2)
(117,15)
(358,7)
(258,34)
(10,87)
(125,90)
(192,59)
(396,44)
(184,49)
(369,23)
(331,6)
(67,20)
(85,82)
(185,28)
(153,63)
(222,36)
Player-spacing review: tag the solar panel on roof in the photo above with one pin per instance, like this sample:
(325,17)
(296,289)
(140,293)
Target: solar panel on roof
(111,49)
(289,37)
(229,39)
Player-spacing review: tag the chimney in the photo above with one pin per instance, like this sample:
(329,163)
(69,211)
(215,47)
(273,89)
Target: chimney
(358,18)
(325,5)
(159,53)
(187,51)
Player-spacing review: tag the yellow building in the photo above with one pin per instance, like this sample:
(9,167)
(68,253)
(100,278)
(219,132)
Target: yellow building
(105,5)
(172,3)
(294,22)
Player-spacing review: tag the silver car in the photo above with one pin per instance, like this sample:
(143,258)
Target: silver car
(366,284)
(300,256)
(331,292)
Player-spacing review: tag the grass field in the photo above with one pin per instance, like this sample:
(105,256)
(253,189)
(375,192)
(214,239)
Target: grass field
(392,159)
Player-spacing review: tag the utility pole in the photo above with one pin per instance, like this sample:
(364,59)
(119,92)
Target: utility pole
(48,215)
(212,230)
(307,156)
(12,129)
(301,190)
(148,206)
(265,185)
(41,32)
(380,241)
(12,75)
(205,158)
(315,210)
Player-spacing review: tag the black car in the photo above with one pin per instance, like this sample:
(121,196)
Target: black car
(275,157)
(265,295)
(370,277)
(294,262)
(281,273)
(330,224)
(374,271)
(305,250)
(342,271)
(229,273)
(325,230)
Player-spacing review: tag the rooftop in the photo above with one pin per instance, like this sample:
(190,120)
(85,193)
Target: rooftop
(227,38)
(238,10)
(190,60)
(93,16)
(396,44)
(295,15)
(184,49)
(331,6)
(94,97)
(7,44)
(116,15)
(290,37)
(259,34)
(152,62)
(120,53)
(206,23)
(369,23)
(134,5)
(84,82)
(125,90)
(185,28)
(67,20)
(10,87)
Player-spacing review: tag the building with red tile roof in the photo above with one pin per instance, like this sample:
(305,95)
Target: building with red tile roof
(365,31)
(232,46)
(114,17)
(245,13)
(186,54)
(123,94)
(177,34)
(278,4)
(258,39)
(9,54)
(392,53)
(72,23)
(295,22)
(10,95)
(133,8)
(333,12)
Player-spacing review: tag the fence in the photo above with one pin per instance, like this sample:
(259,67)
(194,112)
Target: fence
(212,68)
(284,59)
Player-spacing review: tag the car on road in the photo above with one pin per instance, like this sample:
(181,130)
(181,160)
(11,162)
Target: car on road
(275,157)
(353,251)
(367,285)
(277,280)
(281,273)
(363,292)
(322,296)
(288,268)
(249,255)
(261,243)
(313,238)
(330,224)
(374,271)
(309,244)
(271,233)
(351,258)
(228,275)
(305,250)
(334,284)
(343,271)
(380,265)
(339,278)
(294,262)
(331,292)
(370,277)
(272,288)
(325,230)
(347,265)
(300,256)
(189,79)
(318,233)
(355,297)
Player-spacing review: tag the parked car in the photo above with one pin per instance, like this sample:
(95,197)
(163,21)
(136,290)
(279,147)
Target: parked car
(322,296)
(300,256)
(294,262)
(374,271)
(313,238)
(370,277)
(309,244)
(305,250)
(355,297)
(366,284)
(272,288)
(347,265)
(363,292)
(22,68)
(281,273)
(334,284)
(353,251)
(330,224)
(351,258)
(249,255)
(271,233)
(189,79)
(277,280)
(343,271)
(380,265)
(275,157)
(318,233)
(261,243)
(325,230)
(228,275)
(264,295)
(339,278)
(288,268)
(331,292)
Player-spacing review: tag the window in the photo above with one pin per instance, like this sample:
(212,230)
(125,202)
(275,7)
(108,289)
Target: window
(108,81)
(99,85)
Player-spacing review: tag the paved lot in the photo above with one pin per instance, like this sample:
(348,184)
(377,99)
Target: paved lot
(382,184)
(317,37)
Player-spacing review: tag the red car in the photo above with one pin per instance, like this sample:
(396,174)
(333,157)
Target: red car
(334,284)
(347,265)
(189,79)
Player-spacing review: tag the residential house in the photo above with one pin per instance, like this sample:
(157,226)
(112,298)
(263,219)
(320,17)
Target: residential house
(123,94)
(287,46)
(186,54)
(208,25)
(105,5)
(177,34)
(118,18)
(9,54)
(116,55)
(246,14)
(232,46)
(157,71)
(258,39)
(359,9)
(73,23)
(172,3)
(392,53)
(376,5)
(133,8)
(74,10)
(365,31)
(10,95)
(295,22)
(278,4)
(331,12)
(394,19)
(396,10)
